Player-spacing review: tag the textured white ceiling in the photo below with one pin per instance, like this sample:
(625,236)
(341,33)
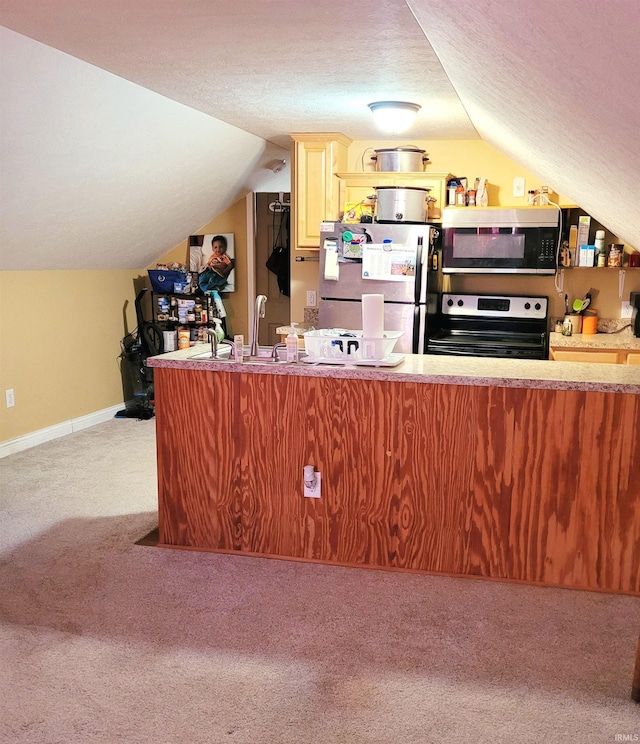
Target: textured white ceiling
(555,86)
(111,167)
(269,67)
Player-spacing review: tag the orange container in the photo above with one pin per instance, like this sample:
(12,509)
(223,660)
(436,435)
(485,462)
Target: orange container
(589,324)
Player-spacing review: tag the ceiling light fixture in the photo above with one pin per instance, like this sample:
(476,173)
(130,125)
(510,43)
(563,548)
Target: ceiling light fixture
(394,116)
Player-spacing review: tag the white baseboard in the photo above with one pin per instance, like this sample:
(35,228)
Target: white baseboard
(58,430)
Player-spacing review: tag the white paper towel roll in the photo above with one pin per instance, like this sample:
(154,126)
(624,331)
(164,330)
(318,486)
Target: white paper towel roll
(372,315)
(170,340)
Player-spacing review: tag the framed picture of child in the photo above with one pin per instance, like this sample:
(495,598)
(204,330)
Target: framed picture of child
(212,257)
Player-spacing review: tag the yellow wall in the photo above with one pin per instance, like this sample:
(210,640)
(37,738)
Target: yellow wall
(60,333)
(60,339)
(461,158)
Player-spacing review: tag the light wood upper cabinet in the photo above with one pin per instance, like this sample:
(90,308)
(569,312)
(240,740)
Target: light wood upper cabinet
(315,197)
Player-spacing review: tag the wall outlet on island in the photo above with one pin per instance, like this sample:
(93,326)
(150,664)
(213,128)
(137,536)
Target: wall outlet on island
(312,482)
(626,311)
(311,298)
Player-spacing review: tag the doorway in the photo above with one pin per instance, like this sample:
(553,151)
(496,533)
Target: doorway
(272,242)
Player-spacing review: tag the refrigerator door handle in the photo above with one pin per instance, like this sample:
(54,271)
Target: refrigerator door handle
(417,287)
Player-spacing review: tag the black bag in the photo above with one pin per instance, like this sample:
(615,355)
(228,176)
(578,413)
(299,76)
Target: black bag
(278,263)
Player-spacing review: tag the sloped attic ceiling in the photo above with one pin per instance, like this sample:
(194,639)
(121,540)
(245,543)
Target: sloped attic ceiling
(98,171)
(555,86)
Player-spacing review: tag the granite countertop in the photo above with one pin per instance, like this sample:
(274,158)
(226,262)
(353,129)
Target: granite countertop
(623,339)
(427,368)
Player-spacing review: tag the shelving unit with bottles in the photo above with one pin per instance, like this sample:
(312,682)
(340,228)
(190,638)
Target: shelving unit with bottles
(173,311)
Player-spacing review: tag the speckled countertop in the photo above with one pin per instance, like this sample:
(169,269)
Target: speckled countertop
(425,368)
(623,339)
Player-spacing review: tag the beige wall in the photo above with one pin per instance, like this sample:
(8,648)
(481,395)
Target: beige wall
(60,335)
(461,158)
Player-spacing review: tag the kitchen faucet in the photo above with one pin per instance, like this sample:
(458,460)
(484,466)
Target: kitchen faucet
(258,313)
(215,343)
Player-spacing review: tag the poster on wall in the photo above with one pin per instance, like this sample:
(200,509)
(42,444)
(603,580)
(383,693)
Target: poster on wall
(212,257)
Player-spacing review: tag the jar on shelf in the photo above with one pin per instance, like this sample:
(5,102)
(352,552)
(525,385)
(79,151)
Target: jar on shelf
(615,255)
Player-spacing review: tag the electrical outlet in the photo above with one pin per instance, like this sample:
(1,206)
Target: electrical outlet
(10,398)
(626,311)
(518,186)
(311,482)
(311,298)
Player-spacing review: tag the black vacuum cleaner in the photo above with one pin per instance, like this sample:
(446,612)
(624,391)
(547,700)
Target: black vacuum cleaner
(137,378)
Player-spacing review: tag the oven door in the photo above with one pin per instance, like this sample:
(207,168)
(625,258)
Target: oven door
(499,250)
(488,344)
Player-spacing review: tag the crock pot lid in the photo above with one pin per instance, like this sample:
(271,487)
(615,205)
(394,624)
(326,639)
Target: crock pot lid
(400,149)
(401,188)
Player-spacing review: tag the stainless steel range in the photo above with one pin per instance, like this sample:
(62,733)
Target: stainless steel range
(490,326)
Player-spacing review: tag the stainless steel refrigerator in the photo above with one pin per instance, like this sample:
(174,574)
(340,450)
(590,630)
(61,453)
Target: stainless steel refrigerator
(373,258)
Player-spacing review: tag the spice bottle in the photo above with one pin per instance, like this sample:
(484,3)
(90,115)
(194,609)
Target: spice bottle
(615,255)
(461,200)
(451,193)
(601,251)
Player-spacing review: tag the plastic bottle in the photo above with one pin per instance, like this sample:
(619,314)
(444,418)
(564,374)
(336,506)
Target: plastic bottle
(292,344)
(601,251)
(451,193)
(217,329)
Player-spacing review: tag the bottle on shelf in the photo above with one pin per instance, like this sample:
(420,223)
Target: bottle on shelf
(601,251)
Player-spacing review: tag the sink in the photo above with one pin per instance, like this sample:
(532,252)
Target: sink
(224,355)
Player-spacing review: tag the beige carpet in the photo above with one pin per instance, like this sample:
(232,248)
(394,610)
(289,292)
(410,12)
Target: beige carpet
(103,640)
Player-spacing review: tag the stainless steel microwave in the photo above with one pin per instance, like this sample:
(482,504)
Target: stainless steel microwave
(498,240)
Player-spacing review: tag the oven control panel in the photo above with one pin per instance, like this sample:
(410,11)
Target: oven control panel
(494,306)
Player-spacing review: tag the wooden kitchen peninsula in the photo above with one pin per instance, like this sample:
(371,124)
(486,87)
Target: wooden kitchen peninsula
(504,469)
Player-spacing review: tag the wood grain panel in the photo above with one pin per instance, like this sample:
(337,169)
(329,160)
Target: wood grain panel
(532,485)
(198,494)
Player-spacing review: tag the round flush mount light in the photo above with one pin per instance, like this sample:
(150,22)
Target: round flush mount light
(394,116)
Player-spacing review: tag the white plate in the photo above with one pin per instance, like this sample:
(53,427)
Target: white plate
(392,360)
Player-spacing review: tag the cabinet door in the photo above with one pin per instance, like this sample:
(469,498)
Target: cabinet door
(593,357)
(633,357)
(315,194)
